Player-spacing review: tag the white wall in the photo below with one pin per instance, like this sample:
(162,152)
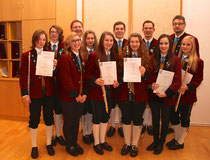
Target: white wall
(197,14)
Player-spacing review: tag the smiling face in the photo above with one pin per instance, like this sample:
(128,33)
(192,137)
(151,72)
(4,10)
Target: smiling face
(164,45)
(108,43)
(119,31)
(54,35)
(90,40)
(41,42)
(134,44)
(186,46)
(75,44)
(77,27)
(148,31)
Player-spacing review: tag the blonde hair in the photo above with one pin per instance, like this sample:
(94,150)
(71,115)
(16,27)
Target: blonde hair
(68,41)
(193,56)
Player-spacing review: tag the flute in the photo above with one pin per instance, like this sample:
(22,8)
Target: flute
(103,90)
(180,94)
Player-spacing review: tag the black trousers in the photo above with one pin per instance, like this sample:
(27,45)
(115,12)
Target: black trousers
(57,105)
(160,110)
(183,114)
(87,107)
(35,111)
(72,112)
(99,112)
(132,111)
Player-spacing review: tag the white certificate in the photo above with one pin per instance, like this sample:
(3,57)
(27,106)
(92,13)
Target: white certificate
(188,77)
(108,72)
(44,65)
(164,80)
(131,70)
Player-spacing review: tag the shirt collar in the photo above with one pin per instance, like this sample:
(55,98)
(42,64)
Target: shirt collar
(150,40)
(38,50)
(119,39)
(179,35)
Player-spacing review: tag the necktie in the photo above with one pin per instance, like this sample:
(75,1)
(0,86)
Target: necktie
(162,60)
(134,55)
(176,40)
(54,48)
(90,51)
(78,60)
(183,58)
(108,56)
(120,43)
(148,45)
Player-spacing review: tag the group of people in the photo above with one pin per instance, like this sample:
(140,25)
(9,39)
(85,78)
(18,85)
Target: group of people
(77,92)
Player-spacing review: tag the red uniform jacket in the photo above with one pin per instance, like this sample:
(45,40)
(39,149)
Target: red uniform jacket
(189,97)
(93,73)
(171,92)
(35,81)
(69,77)
(59,50)
(152,46)
(178,46)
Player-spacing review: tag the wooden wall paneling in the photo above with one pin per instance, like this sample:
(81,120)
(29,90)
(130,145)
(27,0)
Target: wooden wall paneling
(28,28)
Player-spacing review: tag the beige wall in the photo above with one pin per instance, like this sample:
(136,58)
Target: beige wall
(100,15)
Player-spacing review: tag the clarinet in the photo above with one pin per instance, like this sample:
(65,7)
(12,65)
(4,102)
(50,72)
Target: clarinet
(103,90)
(130,96)
(180,94)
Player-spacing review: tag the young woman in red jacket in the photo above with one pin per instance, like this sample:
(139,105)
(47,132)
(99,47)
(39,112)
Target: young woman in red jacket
(163,102)
(89,45)
(72,90)
(181,119)
(105,52)
(56,44)
(132,96)
(37,91)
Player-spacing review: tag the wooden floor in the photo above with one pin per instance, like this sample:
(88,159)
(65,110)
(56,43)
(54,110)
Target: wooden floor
(15,144)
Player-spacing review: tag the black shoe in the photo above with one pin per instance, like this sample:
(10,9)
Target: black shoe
(98,149)
(60,140)
(120,131)
(72,151)
(134,151)
(170,142)
(106,146)
(79,149)
(34,152)
(170,130)
(176,145)
(53,142)
(50,150)
(110,132)
(91,138)
(150,130)
(152,146)
(143,129)
(126,149)
(158,149)
(86,139)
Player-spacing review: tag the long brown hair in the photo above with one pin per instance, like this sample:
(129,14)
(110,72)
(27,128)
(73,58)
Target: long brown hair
(169,56)
(68,41)
(101,54)
(141,52)
(193,57)
(84,44)
(36,36)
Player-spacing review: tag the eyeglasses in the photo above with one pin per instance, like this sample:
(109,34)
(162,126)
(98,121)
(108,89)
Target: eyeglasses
(75,40)
(177,24)
(53,32)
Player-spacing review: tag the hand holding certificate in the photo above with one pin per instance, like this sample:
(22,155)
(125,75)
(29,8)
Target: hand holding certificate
(188,77)
(164,80)
(108,72)
(44,65)
(131,70)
